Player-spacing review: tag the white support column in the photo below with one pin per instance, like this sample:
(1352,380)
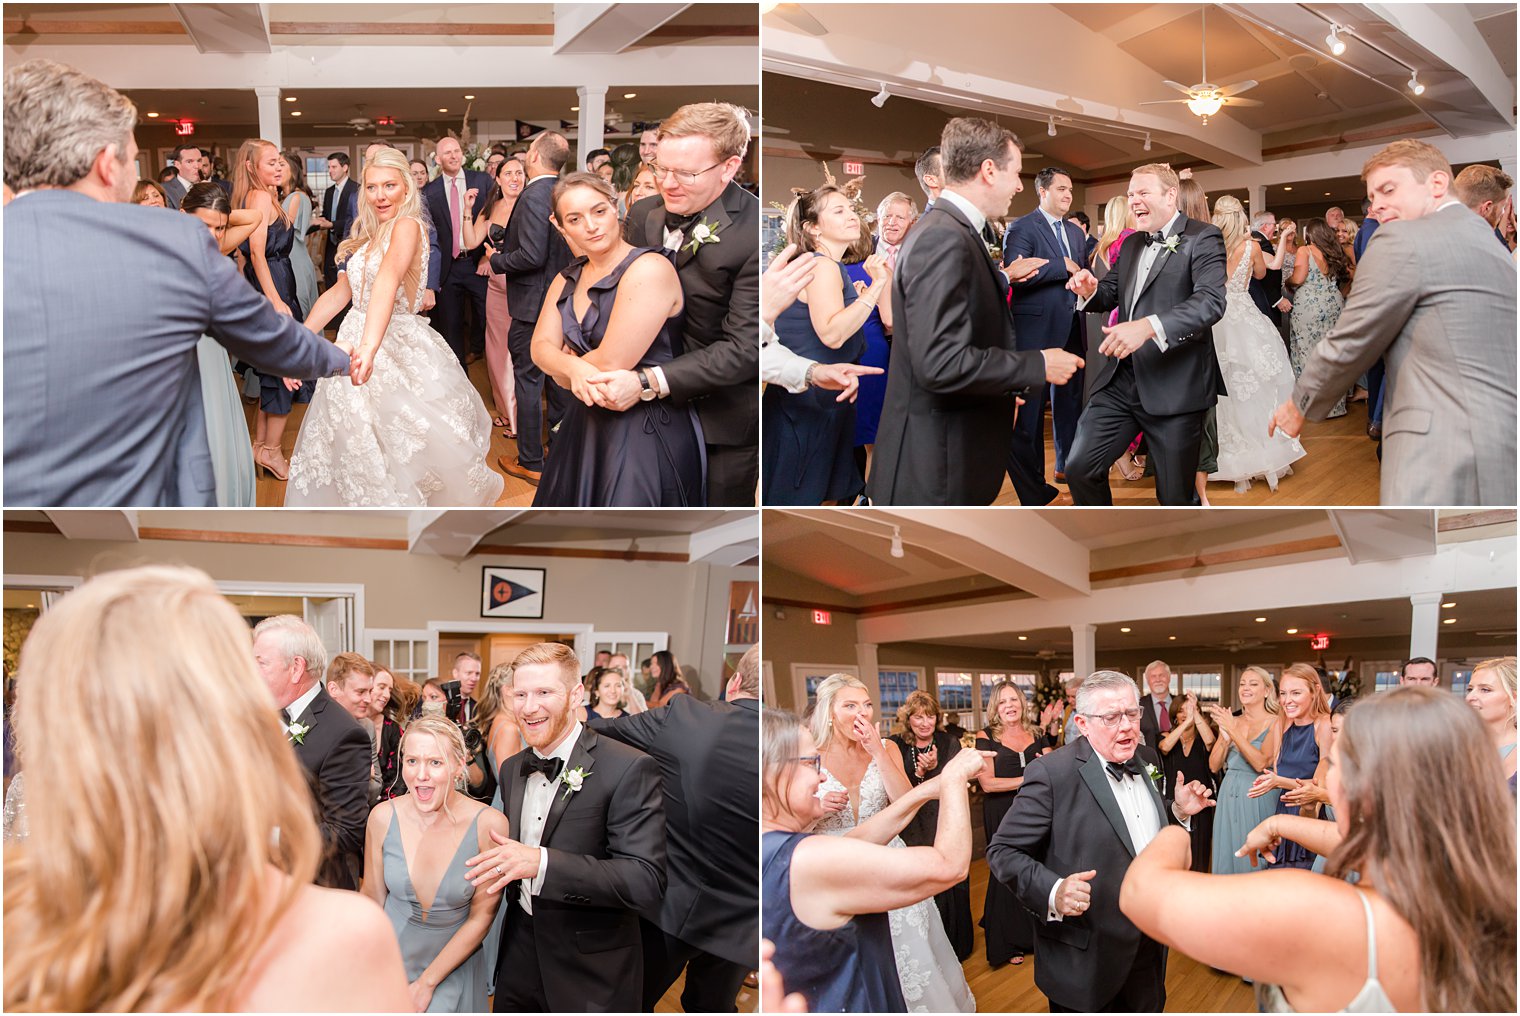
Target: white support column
(1084,649)
(865,659)
(1424,625)
(269,114)
(593,117)
(1258,198)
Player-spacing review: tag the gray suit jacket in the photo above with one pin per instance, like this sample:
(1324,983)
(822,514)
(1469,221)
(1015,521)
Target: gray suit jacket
(175,191)
(1436,297)
(104,305)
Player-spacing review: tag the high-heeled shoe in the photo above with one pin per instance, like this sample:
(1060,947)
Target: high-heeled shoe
(1129,467)
(269,459)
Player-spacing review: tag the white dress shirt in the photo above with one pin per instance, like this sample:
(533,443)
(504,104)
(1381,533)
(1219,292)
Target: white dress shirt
(978,220)
(1062,240)
(296,708)
(779,365)
(459,213)
(538,798)
(1148,255)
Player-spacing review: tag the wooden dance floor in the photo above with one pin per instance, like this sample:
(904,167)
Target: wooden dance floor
(1341,468)
(1190,986)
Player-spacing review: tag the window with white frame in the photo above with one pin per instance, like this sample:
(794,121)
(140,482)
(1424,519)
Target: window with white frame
(1455,676)
(806,677)
(896,685)
(1381,675)
(1203,680)
(403,653)
(953,691)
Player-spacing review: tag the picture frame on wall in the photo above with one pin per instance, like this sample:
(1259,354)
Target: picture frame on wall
(512,592)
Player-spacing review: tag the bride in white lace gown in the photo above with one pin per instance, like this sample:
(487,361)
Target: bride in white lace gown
(408,429)
(927,968)
(1254,362)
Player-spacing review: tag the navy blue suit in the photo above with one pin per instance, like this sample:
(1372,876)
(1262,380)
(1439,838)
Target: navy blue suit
(461,291)
(340,206)
(1044,317)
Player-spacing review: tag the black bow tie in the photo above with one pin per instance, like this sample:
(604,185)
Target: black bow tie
(675,222)
(285,716)
(1157,237)
(1123,770)
(550,767)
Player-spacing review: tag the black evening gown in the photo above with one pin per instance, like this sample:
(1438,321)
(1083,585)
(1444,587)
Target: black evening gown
(808,440)
(954,903)
(1008,926)
(1184,768)
(274,398)
(650,456)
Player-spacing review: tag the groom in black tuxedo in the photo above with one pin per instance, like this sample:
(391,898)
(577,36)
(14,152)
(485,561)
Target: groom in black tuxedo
(1161,375)
(700,149)
(1082,815)
(588,853)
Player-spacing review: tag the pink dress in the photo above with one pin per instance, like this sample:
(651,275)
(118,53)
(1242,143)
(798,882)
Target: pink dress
(498,357)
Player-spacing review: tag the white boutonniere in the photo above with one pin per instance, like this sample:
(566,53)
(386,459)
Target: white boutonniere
(574,779)
(704,232)
(1154,775)
(297,731)
(1171,243)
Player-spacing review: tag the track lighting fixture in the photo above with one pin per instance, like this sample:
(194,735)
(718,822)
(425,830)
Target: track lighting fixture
(897,547)
(1052,129)
(1147,141)
(880,98)
(1333,40)
(1414,83)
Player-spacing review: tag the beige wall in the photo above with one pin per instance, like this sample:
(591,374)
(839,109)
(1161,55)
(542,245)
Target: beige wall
(403,590)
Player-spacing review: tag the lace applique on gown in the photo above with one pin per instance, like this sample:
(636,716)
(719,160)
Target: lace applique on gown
(416,434)
(927,967)
(1259,378)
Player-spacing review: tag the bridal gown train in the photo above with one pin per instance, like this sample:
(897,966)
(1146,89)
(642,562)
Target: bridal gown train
(416,434)
(1259,378)
(927,968)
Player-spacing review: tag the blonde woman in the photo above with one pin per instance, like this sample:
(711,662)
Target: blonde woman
(868,773)
(416,433)
(153,878)
(1302,752)
(1246,745)
(1491,693)
(1014,741)
(1254,363)
(418,842)
(1429,926)
(258,172)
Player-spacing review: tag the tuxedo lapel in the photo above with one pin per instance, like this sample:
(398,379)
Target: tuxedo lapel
(976,238)
(1096,778)
(714,213)
(516,784)
(580,756)
(1160,262)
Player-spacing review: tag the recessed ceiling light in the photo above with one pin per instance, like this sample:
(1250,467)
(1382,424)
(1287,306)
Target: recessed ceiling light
(469,96)
(1450,620)
(630,95)
(152,116)
(1023,638)
(1171,638)
(1292,631)
(1260,619)
(1448,604)
(1125,630)
(575,109)
(295,112)
(443,109)
(1287,188)
(1327,194)
(290,98)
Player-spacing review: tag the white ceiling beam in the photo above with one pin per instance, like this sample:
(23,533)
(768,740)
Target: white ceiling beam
(1387,535)
(730,543)
(607,28)
(1449,32)
(454,534)
(1455,568)
(109,524)
(225,28)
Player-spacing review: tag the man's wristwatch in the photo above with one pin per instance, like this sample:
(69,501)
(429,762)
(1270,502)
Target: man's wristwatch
(646,390)
(807,379)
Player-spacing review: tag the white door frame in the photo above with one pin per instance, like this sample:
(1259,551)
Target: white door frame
(583,632)
(353,590)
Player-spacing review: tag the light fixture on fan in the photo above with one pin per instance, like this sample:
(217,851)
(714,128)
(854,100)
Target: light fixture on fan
(1336,45)
(897,546)
(1205,99)
(1051,130)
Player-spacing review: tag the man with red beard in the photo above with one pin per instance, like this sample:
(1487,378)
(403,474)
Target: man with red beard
(588,851)
(1082,815)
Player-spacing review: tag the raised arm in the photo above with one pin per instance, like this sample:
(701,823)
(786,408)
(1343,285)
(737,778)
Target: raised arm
(241,223)
(833,319)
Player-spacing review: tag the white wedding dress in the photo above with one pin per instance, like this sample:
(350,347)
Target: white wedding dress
(416,434)
(1259,378)
(927,968)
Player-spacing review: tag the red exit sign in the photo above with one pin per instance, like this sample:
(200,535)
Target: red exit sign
(822,617)
(854,168)
(1319,641)
(184,128)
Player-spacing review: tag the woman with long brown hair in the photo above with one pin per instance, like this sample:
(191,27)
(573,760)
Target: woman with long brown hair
(1429,924)
(171,849)
(298,205)
(1319,267)
(257,174)
(1303,741)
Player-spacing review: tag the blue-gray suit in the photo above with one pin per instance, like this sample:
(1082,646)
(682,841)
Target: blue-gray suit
(104,305)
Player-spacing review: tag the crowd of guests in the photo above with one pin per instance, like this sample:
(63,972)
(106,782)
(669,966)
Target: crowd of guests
(1290,782)
(421,267)
(242,795)
(1284,289)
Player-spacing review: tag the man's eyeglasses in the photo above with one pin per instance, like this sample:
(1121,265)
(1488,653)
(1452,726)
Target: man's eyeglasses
(813,762)
(682,176)
(1112,719)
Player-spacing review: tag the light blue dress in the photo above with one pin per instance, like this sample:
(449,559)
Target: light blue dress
(300,257)
(1236,814)
(423,935)
(226,427)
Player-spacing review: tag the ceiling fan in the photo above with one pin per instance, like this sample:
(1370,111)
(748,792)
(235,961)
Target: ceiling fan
(360,123)
(1205,99)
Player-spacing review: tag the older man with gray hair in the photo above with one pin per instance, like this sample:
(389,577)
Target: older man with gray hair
(81,329)
(894,217)
(1081,816)
(329,742)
